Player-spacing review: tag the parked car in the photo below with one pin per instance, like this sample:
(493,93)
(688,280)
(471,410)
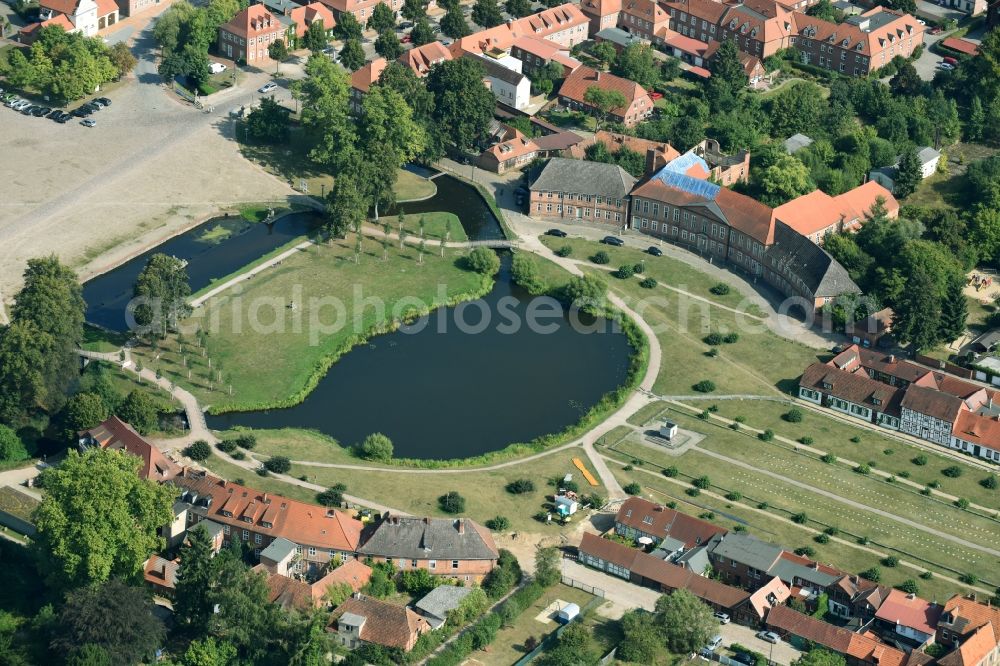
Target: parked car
(104,101)
(745,658)
(722,617)
(946,66)
(54,113)
(216,68)
(558,233)
(268,87)
(42,111)
(29,109)
(921,22)
(950,60)
(63,118)
(714,644)
(657,252)
(406,39)
(613,240)
(768,637)
(936,30)
(92,107)
(655,96)
(88,122)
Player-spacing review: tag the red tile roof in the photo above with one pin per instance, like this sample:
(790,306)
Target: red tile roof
(385,624)
(116,435)
(575,87)
(364,78)
(287,592)
(977,429)
(973,650)
(421,58)
(352,572)
(849,35)
(911,611)
(306,15)
(786,621)
(252,21)
(964,614)
(961,45)
(105,7)
(161,572)
(661,521)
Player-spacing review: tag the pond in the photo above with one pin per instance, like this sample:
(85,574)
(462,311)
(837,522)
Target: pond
(447,389)
(462,199)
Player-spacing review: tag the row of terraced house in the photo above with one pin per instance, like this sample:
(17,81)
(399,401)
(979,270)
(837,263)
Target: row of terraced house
(877,387)
(760,584)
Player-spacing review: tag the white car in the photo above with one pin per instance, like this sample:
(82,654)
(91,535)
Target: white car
(947,66)
(216,68)
(921,22)
(723,618)
(268,87)
(769,636)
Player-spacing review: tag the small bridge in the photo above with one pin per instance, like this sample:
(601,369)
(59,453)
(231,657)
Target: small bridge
(499,243)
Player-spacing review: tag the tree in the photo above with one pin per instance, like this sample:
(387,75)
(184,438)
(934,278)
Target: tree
(123,513)
(819,657)
(685,622)
(785,180)
(161,293)
(122,58)
(908,175)
(486,13)
(604,102)
(796,110)
(389,137)
(352,56)
(82,412)
(278,464)
(209,652)
(382,18)
(604,52)
(636,63)
(193,602)
(199,450)
(524,272)
(381,582)
(918,312)
(269,122)
(418,582)
(452,502)
(332,496)
(277,51)
(113,616)
(316,38)
(728,81)
(376,447)
(586,293)
(547,566)
(11,447)
(576,645)
(245,618)
(975,128)
(906,82)
(641,640)
(24,352)
(545,77)
(414,10)
(483,260)
(954,312)
(518,8)
(386,44)
(345,205)
(454,25)
(463,106)
(422,32)
(138,411)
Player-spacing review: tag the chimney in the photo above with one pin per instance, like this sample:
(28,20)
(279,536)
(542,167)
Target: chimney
(655,160)
(597,76)
(461,525)
(892,358)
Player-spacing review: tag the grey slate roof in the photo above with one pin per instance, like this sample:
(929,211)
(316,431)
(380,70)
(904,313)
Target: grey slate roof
(747,550)
(695,559)
(566,175)
(428,538)
(440,601)
(617,36)
(787,570)
(797,142)
(822,274)
(278,549)
(498,71)
(927,155)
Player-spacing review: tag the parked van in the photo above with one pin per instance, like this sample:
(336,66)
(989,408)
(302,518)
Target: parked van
(714,644)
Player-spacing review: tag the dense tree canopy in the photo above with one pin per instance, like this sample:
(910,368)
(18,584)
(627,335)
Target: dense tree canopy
(64,66)
(454,24)
(463,106)
(685,622)
(486,13)
(161,293)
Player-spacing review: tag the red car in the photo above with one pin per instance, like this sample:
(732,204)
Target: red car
(655,96)
(406,39)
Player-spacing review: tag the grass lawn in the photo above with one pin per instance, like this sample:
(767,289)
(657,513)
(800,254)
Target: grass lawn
(770,527)
(303,445)
(265,356)
(484,493)
(785,499)
(890,455)
(436,226)
(410,186)
(509,644)
(98,340)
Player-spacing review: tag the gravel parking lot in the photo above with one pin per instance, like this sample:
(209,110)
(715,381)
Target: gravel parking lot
(152,166)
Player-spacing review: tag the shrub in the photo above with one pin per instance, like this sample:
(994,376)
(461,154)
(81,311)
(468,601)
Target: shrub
(828,458)
(239,455)
(763,506)
(863,540)
(925,491)
(934,484)
(713,339)
(734,425)
(720,289)
(805,551)
(920,460)
(990,482)
(891,561)
(864,469)
(564,251)
(731,338)
(452,502)
(246,441)
(740,419)
(962,503)
(909,586)
(278,464)
(874,574)
(670,472)
(332,496)
(969,578)
(693,492)
(376,446)
(712,353)
(633,488)
(887,452)
(793,415)
(639,268)
(199,450)
(832,530)
(903,475)
(734,496)
(624,272)
(800,517)
(806,440)
(704,415)
(704,386)
(822,538)
(627,468)
(498,524)
(648,283)
(520,486)
(927,575)
(483,260)
(739,528)
(890,479)
(262,471)
(601,257)
(952,472)
(856,439)
(226,445)
(702,482)
(766,436)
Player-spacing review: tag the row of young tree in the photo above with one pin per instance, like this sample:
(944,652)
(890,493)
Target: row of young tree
(66,66)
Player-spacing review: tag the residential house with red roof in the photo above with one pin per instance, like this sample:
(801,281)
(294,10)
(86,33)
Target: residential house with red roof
(363,79)
(861,44)
(515,150)
(971,629)
(565,26)
(88,17)
(602,14)
(760,28)
(116,435)
(657,153)
(645,19)
(305,15)
(537,52)
(852,596)
(361,620)
(817,214)
(908,618)
(420,59)
(248,35)
(361,9)
(161,574)
(803,631)
(638,518)
(638,105)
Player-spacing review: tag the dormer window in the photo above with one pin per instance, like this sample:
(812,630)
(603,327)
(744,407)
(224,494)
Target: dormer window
(247,519)
(858,46)
(753,33)
(227,514)
(845,43)
(827,385)
(266,525)
(732,24)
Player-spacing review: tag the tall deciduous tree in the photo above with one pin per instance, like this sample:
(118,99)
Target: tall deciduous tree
(316,38)
(325,98)
(382,18)
(113,616)
(11,447)
(161,293)
(422,32)
(386,44)
(269,122)
(414,10)
(389,137)
(122,58)
(642,640)
(576,645)
(346,205)
(25,352)
(547,565)
(245,617)
(728,80)
(277,51)
(519,8)
(348,27)
(604,102)
(352,56)
(486,13)
(100,490)
(685,621)
(637,63)
(463,105)
(785,180)
(819,657)
(454,24)
(82,412)
(138,411)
